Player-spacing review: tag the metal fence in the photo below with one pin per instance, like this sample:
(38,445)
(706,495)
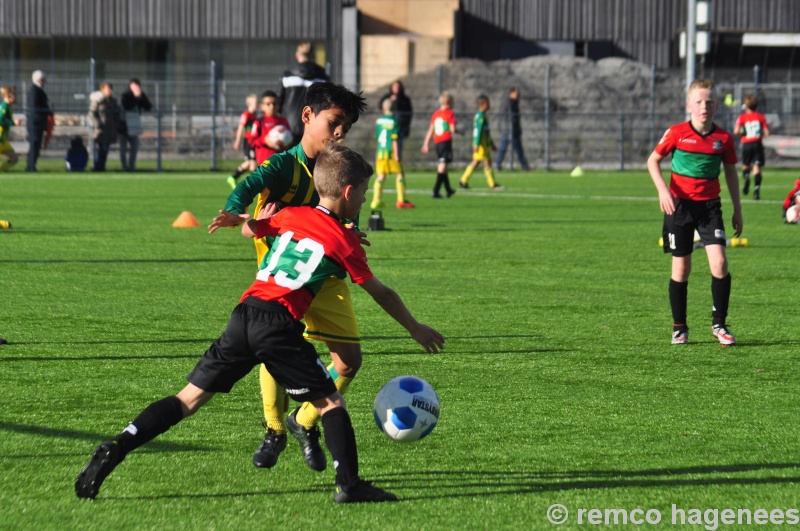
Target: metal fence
(196,119)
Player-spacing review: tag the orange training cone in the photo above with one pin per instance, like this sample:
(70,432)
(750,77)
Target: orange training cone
(186,219)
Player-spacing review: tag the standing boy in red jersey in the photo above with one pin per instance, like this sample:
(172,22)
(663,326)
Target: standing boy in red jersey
(259,134)
(443,125)
(692,202)
(753,127)
(307,245)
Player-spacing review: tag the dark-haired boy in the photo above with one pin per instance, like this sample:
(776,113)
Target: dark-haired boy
(285,179)
(307,246)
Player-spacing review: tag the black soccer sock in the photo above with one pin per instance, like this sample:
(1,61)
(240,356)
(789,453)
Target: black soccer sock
(745,174)
(237,173)
(678,294)
(447,183)
(757,181)
(721,296)
(439,183)
(154,420)
(340,438)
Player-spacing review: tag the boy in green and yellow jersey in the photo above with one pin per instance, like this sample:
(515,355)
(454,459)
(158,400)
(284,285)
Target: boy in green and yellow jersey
(8,157)
(286,179)
(387,157)
(482,146)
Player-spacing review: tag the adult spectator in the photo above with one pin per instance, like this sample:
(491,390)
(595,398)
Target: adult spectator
(511,129)
(105,113)
(134,101)
(402,110)
(293,85)
(39,117)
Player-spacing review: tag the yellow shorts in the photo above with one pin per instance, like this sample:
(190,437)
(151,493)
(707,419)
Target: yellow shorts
(384,166)
(6,147)
(482,153)
(331,316)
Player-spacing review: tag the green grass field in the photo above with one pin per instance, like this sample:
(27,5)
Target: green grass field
(558,384)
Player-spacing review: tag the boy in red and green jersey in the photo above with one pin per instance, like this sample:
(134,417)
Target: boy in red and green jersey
(692,203)
(441,129)
(752,125)
(286,179)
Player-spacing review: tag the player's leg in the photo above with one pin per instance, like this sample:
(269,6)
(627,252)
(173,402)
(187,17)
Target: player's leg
(377,191)
(401,190)
(275,403)
(464,181)
(678,235)
(487,170)
(758,165)
(712,234)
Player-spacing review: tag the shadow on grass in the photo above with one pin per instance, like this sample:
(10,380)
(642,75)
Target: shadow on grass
(467,484)
(41,431)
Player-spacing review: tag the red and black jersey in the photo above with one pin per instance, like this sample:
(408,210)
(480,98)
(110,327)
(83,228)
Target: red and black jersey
(696,160)
(307,245)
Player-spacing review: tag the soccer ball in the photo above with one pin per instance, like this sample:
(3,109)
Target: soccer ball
(281,135)
(793,214)
(406,408)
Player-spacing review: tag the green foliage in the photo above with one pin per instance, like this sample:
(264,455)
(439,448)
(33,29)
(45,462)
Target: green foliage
(558,384)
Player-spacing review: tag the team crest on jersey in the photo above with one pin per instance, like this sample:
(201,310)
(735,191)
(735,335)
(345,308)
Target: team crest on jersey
(717,145)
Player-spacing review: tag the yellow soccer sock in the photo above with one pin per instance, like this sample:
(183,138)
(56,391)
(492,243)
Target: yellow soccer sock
(275,401)
(307,416)
(377,193)
(5,162)
(490,177)
(401,190)
(467,174)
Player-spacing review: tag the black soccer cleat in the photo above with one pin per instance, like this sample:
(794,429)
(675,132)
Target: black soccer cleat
(270,448)
(104,459)
(363,491)
(463,185)
(309,441)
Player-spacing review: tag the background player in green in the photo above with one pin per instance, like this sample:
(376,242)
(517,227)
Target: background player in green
(265,328)
(387,157)
(285,179)
(692,202)
(8,157)
(482,146)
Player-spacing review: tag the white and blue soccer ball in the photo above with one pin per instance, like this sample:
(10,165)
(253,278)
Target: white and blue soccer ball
(406,408)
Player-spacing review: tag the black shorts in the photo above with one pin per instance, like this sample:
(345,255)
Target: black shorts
(444,151)
(753,153)
(703,216)
(263,332)
(249,152)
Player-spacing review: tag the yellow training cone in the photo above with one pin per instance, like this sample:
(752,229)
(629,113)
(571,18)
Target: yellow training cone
(577,172)
(186,219)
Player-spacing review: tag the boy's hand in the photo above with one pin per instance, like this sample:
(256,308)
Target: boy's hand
(227,219)
(269,210)
(361,235)
(738,223)
(424,148)
(431,340)
(667,202)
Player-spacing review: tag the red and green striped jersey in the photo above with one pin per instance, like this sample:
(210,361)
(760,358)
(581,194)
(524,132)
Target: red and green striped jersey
(246,120)
(754,125)
(696,160)
(481,136)
(444,124)
(6,120)
(306,247)
(387,130)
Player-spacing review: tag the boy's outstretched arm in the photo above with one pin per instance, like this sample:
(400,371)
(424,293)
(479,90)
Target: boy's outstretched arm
(732,180)
(226,219)
(392,304)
